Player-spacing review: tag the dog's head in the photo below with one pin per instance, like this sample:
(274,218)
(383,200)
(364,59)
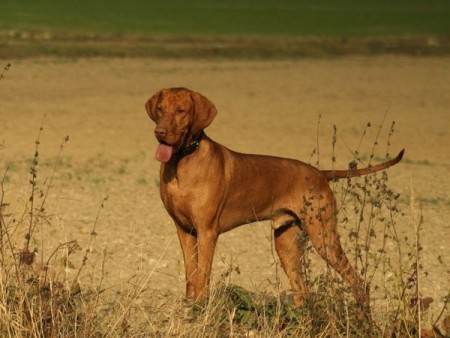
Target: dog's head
(180,115)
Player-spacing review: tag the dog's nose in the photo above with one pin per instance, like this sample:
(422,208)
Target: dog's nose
(160,132)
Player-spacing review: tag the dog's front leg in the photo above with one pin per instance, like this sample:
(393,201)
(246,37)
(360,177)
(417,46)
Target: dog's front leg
(188,242)
(207,240)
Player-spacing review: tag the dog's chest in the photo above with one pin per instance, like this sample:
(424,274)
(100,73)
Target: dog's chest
(178,200)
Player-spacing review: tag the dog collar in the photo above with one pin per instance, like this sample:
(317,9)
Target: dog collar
(189,149)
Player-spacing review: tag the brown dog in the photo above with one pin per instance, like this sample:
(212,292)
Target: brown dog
(208,189)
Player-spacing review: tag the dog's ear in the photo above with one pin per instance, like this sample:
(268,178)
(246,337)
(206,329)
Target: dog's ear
(205,112)
(150,106)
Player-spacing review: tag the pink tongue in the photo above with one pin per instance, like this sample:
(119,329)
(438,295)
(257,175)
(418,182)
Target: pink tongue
(164,153)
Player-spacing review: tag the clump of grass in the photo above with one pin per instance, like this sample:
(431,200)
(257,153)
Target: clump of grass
(38,296)
(30,294)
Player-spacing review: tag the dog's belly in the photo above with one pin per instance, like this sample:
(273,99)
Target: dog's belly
(245,209)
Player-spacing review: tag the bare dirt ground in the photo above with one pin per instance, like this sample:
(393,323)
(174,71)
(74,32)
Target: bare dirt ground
(264,107)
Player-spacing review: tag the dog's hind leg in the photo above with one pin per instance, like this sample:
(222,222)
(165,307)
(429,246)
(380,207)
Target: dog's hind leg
(321,225)
(288,244)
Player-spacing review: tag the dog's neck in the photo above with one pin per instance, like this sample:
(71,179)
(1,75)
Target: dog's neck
(191,147)
(169,169)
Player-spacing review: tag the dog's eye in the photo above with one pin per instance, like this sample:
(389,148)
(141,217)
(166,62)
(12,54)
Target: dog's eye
(181,111)
(159,110)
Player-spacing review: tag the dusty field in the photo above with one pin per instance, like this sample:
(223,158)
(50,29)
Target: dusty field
(264,107)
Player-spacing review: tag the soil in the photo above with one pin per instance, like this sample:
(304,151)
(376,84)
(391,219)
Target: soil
(283,108)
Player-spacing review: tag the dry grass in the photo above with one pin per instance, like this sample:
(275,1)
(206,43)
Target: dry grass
(41,294)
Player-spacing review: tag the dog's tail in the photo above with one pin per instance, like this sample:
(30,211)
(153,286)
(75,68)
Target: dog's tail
(332,175)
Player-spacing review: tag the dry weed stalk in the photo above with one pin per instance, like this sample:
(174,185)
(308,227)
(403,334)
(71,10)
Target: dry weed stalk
(5,69)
